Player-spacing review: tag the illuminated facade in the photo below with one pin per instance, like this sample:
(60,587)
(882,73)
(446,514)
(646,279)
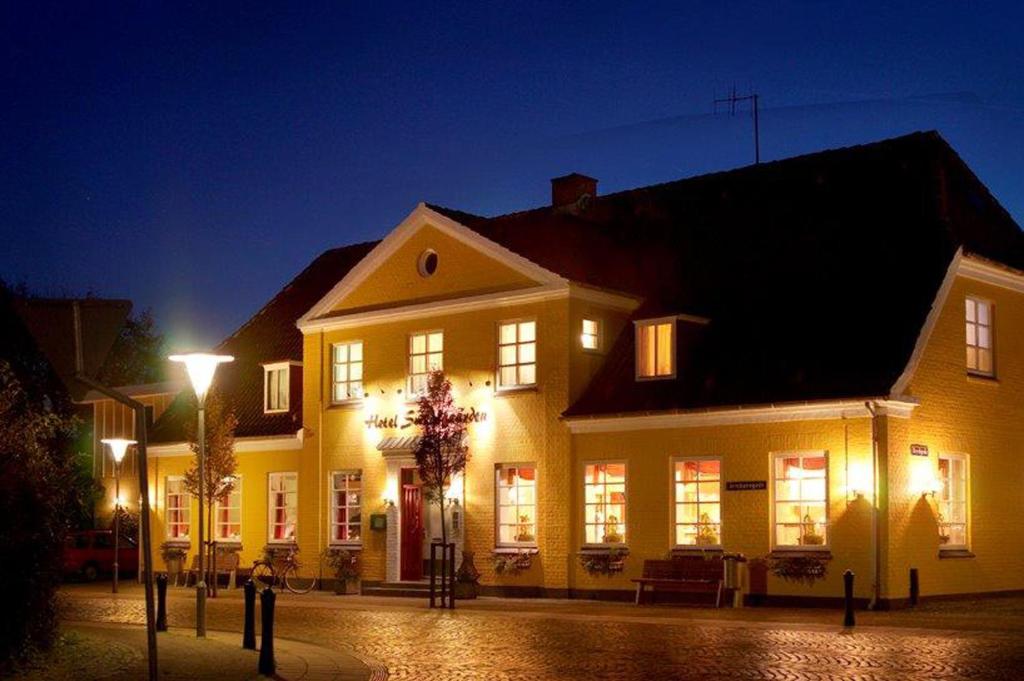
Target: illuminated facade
(804,358)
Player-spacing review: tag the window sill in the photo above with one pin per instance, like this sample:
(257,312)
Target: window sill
(178,543)
(603,548)
(955,553)
(691,550)
(513,389)
(823,552)
(982,379)
(228,542)
(347,546)
(514,550)
(274,412)
(354,403)
(282,543)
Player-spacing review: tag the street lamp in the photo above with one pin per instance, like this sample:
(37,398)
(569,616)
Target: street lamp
(118,448)
(200,367)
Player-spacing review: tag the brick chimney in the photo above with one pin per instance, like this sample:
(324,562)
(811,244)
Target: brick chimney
(569,189)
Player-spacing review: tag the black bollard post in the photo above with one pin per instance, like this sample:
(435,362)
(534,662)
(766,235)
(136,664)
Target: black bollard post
(161,602)
(848,620)
(267,667)
(915,587)
(433,573)
(451,577)
(249,632)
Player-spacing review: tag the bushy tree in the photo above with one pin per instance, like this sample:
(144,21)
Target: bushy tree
(221,463)
(37,498)
(442,452)
(138,355)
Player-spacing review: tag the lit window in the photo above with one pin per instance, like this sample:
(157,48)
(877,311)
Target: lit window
(517,505)
(347,380)
(590,336)
(801,499)
(698,500)
(517,354)
(346,512)
(979,337)
(426,354)
(229,514)
(284,506)
(179,512)
(275,387)
(655,349)
(604,503)
(953,501)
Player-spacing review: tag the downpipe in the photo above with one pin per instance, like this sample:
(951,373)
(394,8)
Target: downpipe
(876,555)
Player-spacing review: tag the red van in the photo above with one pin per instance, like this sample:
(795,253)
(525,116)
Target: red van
(90,553)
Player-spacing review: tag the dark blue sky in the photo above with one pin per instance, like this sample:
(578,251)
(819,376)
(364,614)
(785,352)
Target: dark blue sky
(194,159)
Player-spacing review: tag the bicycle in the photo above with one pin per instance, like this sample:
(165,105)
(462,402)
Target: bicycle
(275,569)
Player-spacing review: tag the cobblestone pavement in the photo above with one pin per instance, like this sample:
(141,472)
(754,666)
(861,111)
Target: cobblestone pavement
(493,644)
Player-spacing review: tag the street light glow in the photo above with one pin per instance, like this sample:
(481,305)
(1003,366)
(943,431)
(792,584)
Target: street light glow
(118,447)
(201,367)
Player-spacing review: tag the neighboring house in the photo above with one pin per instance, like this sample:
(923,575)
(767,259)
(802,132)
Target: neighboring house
(749,361)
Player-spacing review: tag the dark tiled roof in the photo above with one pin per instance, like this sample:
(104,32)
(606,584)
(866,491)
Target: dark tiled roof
(269,336)
(817,272)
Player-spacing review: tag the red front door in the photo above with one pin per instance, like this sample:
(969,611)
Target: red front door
(412,533)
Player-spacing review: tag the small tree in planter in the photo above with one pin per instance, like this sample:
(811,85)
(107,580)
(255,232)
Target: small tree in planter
(174,559)
(345,566)
(441,453)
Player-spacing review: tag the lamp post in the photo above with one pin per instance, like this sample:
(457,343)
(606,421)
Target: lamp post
(118,448)
(200,367)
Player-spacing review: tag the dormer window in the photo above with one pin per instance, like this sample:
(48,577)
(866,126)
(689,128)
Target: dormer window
(655,348)
(276,380)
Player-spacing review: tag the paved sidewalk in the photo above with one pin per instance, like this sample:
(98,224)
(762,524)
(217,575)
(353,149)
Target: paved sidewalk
(220,657)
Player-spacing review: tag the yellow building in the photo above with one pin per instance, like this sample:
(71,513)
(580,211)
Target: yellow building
(818,358)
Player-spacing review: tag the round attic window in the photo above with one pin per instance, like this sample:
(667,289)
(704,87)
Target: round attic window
(427,264)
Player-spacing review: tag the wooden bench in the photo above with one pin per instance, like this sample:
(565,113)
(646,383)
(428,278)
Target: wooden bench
(690,574)
(227,564)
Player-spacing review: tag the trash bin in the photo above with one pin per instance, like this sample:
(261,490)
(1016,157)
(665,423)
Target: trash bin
(732,579)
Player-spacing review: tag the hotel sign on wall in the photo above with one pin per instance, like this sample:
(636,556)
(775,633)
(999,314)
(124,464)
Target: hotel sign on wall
(376,421)
(745,485)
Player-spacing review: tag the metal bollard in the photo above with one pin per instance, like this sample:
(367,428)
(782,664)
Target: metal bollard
(161,602)
(915,587)
(249,633)
(267,666)
(433,574)
(451,576)
(848,619)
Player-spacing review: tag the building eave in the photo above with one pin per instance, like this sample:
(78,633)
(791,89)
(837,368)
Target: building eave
(243,445)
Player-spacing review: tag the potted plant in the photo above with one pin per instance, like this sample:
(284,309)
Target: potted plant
(603,562)
(513,563)
(943,532)
(706,535)
(809,534)
(611,531)
(523,533)
(345,566)
(174,559)
(467,578)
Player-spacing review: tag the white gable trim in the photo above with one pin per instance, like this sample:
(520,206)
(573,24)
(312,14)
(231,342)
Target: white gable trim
(420,217)
(243,445)
(810,411)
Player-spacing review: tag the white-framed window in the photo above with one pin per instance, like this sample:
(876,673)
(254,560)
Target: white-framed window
(656,348)
(517,504)
(800,513)
(228,513)
(283,503)
(346,508)
(178,506)
(517,354)
(979,317)
(426,354)
(590,334)
(347,372)
(275,387)
(697,495)
(952,501)
(604,503)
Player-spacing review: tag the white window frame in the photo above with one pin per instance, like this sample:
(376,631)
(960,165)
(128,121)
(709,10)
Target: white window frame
(411,379)
(676,502)
(637,325)
(267,370)
(333,507)
(518,385)
(499,471)
(802,454)
(348,372)
(622,521)
(271,507)
(945,506)
(598,334)
(976,325)
(187,508)
(217,524)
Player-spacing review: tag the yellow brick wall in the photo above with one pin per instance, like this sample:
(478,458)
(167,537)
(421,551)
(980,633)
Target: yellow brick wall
(981,418)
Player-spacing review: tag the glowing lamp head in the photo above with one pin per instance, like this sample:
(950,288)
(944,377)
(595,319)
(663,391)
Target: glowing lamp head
(118,447)
(201,367)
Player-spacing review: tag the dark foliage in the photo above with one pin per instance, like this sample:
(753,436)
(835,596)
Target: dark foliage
(138,356)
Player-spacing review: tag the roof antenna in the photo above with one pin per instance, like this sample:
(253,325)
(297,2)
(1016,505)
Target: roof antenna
(753,98)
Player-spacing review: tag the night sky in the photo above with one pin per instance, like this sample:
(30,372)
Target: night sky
(194,159)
